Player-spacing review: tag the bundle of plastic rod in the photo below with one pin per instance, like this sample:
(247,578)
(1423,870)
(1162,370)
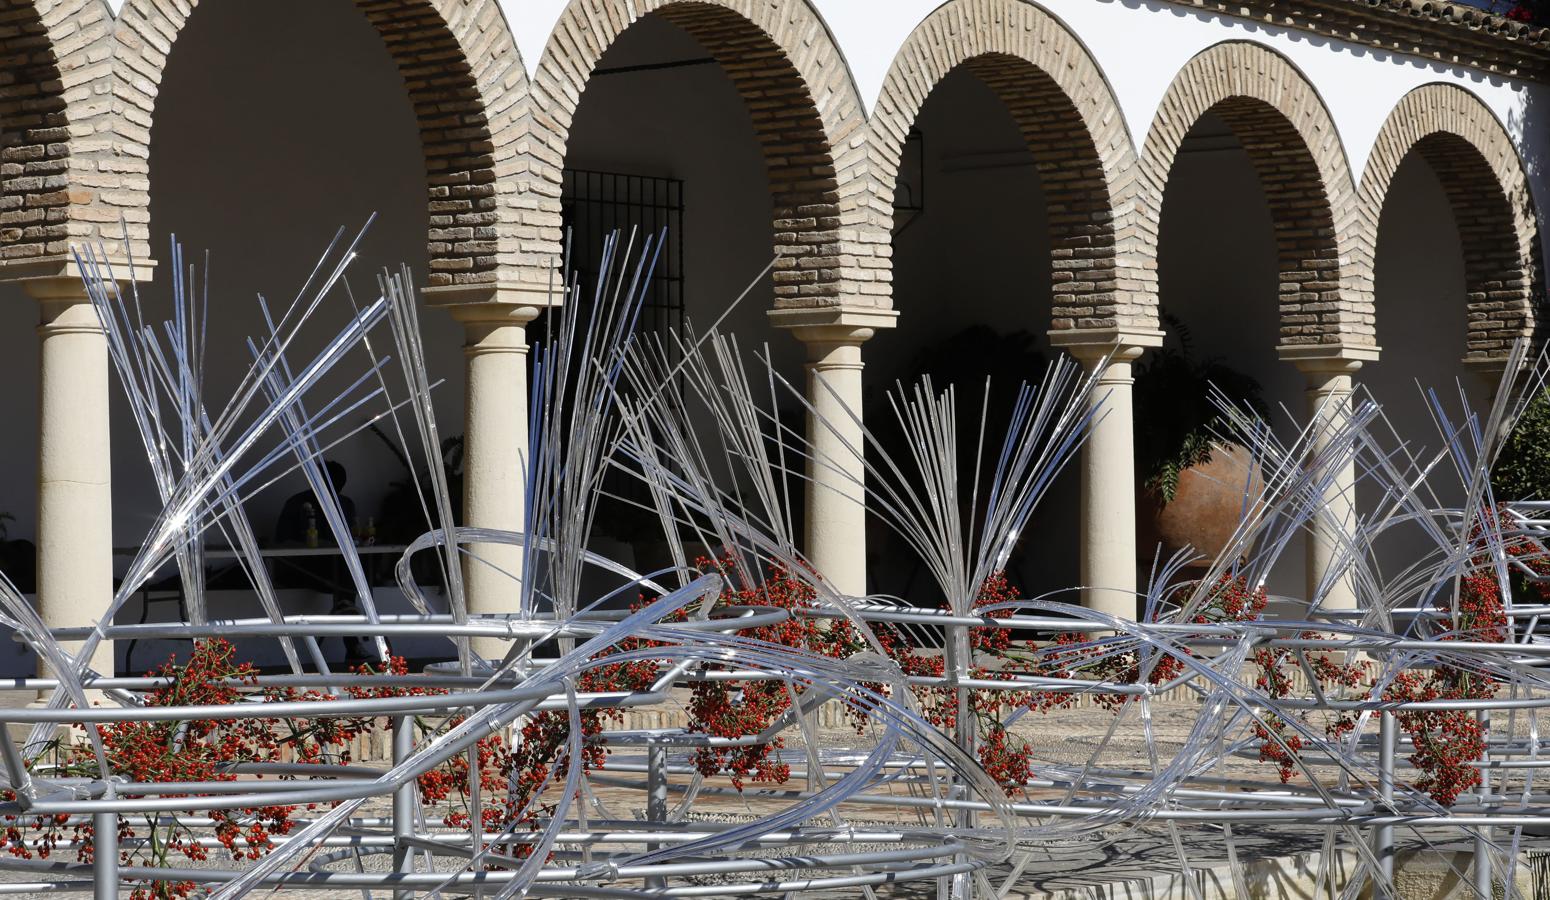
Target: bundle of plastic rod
(728,723)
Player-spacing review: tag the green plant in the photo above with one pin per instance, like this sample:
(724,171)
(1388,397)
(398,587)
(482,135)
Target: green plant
(1176,420)
(1522,471)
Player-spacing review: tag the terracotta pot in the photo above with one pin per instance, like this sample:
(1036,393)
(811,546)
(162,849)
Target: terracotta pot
(1205,510)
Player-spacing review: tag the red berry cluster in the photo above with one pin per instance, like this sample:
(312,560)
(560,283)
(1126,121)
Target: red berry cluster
(740,709)
(1280,743)
(512,779)
(1232,600)
(148,752)
(1448,743)
(208,750)
(1075,655)
(1008,759)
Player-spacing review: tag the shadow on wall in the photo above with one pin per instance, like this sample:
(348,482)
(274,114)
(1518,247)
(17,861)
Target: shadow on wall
(19,408)
(972,278)
(1530,129)
(1420,298)
(658,106)
(1217,272)
(278,123)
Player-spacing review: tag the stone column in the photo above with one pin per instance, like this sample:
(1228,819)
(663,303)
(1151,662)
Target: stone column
(1329,372)
(75,484)
(495,441)
(1108,469)
(835,531)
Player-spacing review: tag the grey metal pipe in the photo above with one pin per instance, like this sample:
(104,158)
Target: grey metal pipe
(477,626)
(1383,835)
(1482,854)
(656,800)
(403,802)
(318,709)
(105,856)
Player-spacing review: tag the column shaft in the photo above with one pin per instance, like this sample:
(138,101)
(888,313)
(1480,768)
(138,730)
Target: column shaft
(75,485)
(1108,552)
(836,496)
(494,457)
(1329,402)
(835,532)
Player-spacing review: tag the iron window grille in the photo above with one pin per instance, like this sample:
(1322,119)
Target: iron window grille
(597,204)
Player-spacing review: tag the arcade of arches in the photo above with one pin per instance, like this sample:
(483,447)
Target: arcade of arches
(994,190)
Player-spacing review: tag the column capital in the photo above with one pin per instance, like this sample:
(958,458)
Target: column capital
(1328,359)
(64,306)
(51,277)
(495,302)
(1093,345)
(476,316)
(1492,370)
(833,324)
(494,317)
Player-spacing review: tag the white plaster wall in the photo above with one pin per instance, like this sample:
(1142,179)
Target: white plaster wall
(1138,45)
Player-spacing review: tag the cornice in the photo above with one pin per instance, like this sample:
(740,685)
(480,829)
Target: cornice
(1449,33)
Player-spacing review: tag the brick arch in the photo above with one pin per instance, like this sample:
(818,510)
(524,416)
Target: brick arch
(1487,188)
(1066,112)
(463,76)
(1323,256)
(48,179)
(807,117)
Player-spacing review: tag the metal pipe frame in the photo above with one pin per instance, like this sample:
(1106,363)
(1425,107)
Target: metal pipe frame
(687,419)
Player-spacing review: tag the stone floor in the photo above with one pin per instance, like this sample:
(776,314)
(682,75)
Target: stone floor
(1129,862)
